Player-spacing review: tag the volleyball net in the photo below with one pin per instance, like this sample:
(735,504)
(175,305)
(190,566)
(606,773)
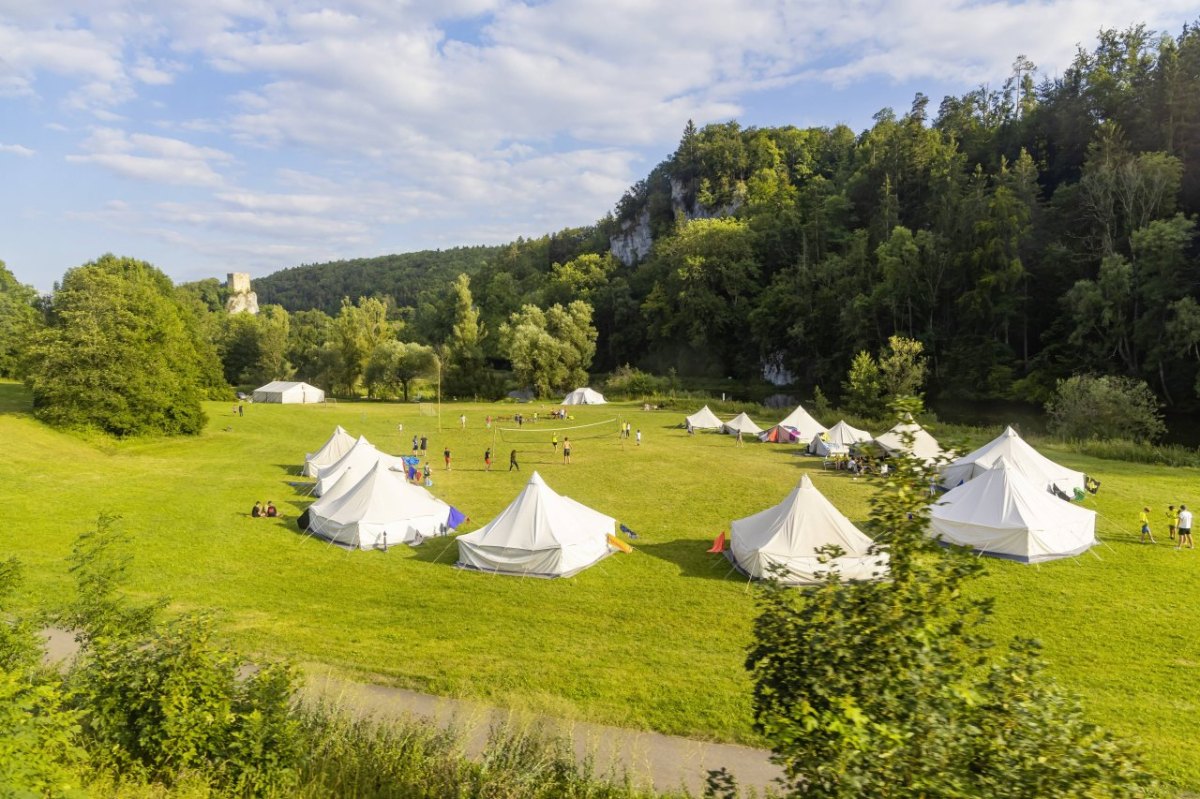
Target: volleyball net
(538,433)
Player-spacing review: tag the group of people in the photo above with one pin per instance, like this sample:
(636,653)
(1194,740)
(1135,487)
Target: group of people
(259,512)
(627,432)
(1179,526)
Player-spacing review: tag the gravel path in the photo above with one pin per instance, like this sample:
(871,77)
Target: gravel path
(664,761)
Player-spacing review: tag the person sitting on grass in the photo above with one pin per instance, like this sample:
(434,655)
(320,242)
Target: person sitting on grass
(271,513)
(257,510)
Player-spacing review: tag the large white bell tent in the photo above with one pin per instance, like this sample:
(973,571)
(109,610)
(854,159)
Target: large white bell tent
(540,534)
(741,423)
(703,419)
(789,535)
(923,446)
(805,426)
(1002,513)
(288,392)
(584,396)
(380,510)
(338,445)
(1016,451)
(838,439)
(360,457)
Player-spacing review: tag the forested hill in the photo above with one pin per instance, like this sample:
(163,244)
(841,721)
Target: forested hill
(1022,234)
(400,277)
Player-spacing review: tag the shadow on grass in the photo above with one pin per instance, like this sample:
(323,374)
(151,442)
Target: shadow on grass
(15,399)
(441,550)
(692,561)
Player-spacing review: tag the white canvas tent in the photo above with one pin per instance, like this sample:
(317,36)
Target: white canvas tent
(359,458)
(1001,513)
(923,446)
(789,534)
(288,393)
(540,534)
(380,510)
(838,439)
(1019,455)
(584,396)
(703,419)
(338,445)
(742,423)
(804,425)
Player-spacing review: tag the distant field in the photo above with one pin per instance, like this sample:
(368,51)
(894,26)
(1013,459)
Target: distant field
(654,639)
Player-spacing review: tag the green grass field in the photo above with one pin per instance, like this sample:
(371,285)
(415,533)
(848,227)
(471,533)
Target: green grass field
(654,639)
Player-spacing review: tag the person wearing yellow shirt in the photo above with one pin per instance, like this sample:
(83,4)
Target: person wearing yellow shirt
(1172,521)
(1146,527)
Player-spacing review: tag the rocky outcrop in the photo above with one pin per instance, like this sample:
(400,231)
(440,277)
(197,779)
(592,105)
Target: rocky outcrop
(634,241)
(241,298)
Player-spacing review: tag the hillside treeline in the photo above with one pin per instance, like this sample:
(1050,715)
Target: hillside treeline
(1021,233)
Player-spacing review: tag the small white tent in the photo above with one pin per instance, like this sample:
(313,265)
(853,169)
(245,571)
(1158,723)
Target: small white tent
(924,446)
(838,439)
(540,534)
(804,425)
(584,396)
(703,419)
(338,445)
(288,393)
(789,534)
(741,423)
(1001,513)
(381,509)
(1011,448)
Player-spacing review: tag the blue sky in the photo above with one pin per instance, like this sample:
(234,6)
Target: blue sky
(209,136)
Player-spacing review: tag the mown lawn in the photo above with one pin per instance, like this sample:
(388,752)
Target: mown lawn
(654,639)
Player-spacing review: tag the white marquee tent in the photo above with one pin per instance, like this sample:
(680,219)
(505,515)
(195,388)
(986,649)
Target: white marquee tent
(789,534)
(1014,450)
(838,439)
(584,396)
(804,425)
(742,423)
(288,393)
(1001,513)
(359,458)
(338,445)
(923,446)
(380,510)
(540,534)
(704,419)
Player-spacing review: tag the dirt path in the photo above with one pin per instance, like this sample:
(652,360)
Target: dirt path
(664,761)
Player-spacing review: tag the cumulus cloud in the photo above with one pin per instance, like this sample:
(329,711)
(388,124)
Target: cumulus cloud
(17,149)
(156,159)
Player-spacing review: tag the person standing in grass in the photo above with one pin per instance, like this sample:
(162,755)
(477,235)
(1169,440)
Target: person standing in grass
(554,442)
(1172,521)
(1185,528)
(1145,519)
(512,461)
(487,459)
(566,449)
(639,437)
(738,441)
(446,455)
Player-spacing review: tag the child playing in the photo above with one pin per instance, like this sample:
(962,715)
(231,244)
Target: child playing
(1146,527)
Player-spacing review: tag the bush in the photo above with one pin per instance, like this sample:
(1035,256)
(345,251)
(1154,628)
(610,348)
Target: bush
(630,383)
(1104,407)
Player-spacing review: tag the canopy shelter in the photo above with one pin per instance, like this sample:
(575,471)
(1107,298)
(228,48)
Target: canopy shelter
(288,393)
(837,440)
(540,534)
(1001,513)
(359,458)
(703,419)
(779,435)
(804,425)
(789,534)
(923,446)
(1019,455)
(379,510)
(338,445)
(741,423)
(584,396)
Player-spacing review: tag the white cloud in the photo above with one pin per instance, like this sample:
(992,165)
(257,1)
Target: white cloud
(17,149)
(156,159)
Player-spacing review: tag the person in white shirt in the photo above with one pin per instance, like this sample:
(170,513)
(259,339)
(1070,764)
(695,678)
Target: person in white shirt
(1185,528)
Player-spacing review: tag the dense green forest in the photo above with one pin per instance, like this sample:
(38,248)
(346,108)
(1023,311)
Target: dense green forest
(1021,235)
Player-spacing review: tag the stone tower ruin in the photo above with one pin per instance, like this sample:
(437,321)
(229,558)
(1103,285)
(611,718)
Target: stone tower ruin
(241,298)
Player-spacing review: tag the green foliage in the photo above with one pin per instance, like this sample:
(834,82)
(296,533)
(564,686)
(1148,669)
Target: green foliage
(550,350)
(121,354)
(902,369)
(862,393)
(630,383)
(467,368)
(395,364)
(887,688)
(19,319)
(162,698)
(1105,407)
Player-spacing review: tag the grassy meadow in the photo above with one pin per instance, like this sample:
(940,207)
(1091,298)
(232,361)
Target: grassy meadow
(654,639)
